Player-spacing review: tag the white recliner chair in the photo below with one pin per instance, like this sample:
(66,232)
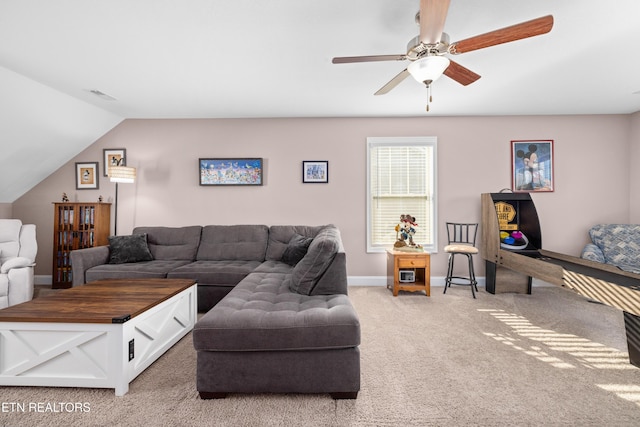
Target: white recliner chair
(18,249)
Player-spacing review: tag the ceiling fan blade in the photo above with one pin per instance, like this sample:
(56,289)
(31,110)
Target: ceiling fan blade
(371,58)
(433,13)
(532,28)
(393,82)
(461,74)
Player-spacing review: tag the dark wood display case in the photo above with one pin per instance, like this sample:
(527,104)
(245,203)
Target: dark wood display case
(76,226)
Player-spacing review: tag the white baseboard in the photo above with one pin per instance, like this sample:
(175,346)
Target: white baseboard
(42,280)
(382,281)
(435,281)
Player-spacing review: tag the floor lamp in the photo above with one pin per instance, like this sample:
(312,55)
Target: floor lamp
(119,174)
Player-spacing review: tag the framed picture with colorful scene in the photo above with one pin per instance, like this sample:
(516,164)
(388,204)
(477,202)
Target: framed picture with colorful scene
(315,171)
(230,171)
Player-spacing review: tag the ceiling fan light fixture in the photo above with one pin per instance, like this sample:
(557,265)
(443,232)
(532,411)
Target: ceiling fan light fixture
(429,68)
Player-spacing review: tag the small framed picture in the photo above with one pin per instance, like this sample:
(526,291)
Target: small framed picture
(532,166)
(114,157)
(315,171)
(87,176)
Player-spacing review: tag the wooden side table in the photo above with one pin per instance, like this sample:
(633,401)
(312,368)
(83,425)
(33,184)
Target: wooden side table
(417,262)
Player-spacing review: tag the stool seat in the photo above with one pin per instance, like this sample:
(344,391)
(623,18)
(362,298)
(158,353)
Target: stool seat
(461,248)
(462,241)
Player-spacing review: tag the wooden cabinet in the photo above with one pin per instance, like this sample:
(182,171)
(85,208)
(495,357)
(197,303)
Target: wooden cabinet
(77,226)
(416,266)
(510,269)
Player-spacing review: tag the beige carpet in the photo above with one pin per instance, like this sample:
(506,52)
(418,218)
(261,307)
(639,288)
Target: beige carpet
(551,358)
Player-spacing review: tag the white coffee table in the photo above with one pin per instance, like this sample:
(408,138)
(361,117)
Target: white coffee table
(99,335)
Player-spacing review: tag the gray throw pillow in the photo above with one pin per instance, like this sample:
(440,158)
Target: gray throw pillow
(296,249)
(124,249)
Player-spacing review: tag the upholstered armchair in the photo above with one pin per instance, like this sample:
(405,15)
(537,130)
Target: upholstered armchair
(615,244)
(18,248)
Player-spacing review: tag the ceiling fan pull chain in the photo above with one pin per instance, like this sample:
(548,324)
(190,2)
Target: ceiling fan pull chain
(429,98)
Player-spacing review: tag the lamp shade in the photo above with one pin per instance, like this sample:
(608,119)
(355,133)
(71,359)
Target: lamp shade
(428,69)
(122,174)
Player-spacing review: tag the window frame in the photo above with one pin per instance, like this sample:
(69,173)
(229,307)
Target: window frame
(426,141)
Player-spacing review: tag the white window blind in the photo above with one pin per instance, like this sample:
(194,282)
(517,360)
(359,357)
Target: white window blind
(401,180)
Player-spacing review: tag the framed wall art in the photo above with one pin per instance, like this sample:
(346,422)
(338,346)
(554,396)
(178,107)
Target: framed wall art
(114,157)
(532,165)
(87,176)
(315,171)
(230,171)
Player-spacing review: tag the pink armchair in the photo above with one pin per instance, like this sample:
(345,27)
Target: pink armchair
(18,248)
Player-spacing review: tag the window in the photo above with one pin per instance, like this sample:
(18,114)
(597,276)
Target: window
(401,175)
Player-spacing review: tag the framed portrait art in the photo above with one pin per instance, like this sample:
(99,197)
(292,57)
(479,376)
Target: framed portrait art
(87,176)
(532,165)
(231,171)
(114,157)
(315,171)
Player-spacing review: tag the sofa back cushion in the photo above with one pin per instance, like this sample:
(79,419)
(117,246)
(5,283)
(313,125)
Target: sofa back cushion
(620,244)
(172,243)
(322,250)
(233,242)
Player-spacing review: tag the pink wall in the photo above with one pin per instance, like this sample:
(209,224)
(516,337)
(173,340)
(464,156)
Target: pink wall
(634,170)
(6,210)
(592,175)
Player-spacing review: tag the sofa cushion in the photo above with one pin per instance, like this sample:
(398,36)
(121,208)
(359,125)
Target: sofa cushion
(322,250)
(138,270)
(274,267)
(261,314)
(172,243)
(223,273)
(233,242)
(124,249)
(296,249)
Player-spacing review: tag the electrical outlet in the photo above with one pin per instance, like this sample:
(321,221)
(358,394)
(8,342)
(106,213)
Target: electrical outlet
(131,350)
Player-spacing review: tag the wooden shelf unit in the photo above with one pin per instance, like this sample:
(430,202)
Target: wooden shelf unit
(76,226)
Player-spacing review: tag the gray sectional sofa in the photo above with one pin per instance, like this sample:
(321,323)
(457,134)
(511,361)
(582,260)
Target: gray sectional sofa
(277,315)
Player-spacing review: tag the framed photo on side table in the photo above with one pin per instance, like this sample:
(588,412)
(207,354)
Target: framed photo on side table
(87,176)
(114,157)
(532,166)
(315,171)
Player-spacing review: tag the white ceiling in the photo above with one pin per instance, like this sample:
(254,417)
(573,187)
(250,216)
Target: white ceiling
(248,58)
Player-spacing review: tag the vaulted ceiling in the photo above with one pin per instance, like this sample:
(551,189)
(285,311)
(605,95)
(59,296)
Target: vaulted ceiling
(247,58)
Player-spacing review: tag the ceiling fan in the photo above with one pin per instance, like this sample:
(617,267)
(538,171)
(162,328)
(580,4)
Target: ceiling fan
(427,50)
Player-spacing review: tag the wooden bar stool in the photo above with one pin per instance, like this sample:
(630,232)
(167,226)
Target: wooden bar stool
(462,241)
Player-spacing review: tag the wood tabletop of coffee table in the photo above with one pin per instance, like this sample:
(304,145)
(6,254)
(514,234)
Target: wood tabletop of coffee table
(103,301)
